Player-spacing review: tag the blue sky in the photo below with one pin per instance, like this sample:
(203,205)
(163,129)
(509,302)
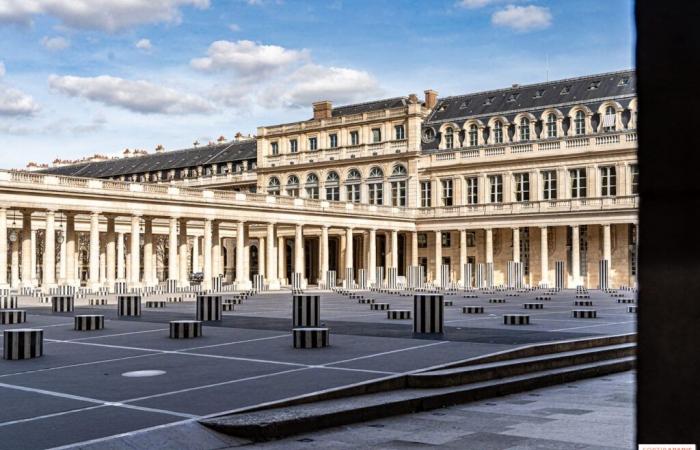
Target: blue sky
(78,78)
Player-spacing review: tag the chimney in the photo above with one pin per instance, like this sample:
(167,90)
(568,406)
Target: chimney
(430,98)
(323,109)
(160,148)
(239,136)
(412,99)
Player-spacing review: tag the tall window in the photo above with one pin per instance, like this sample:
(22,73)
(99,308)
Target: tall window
(399,132)
(293,186)
(422,240)
(549,185)
(376,135)
(332,188)
(473,135)
(498,132)
(293,146)
(524,129)
(273,186)
(609,119)
(447,199)
(425,194)
(333,140)
(551,126)
(608,181)
(578,182)
(275,148)
(449,137)
(472,191)
(376,186)
(496,188)
(398,193)
(354,138)
(353,186)
(580,123)
(313,143)
(446,239)
(522,187)
(634,171)
(312,186)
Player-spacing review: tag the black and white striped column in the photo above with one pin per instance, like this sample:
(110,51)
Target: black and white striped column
(331,279)
(362,279)
(258,282)
(62,303)
(209,307)
(603,273)
(11,316)
(296,281)
(479,277)
(185,329)
(171,286)
(585,313)
(349,281)
(398,314)
(306,311)
(89,322)
(516,319)
(155,304)
(379,278)
(120,287)
(489,275)
(9,302)
(392,276)
(467,273)
(472,309)
(311,337)
(128,305)
(216,283)
(445,277)
(428,313)
(559,275)
(23,343)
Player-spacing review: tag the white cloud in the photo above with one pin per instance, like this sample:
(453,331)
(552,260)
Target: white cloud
(144,44)
(523,18)
(234,27)
(134,95)
(2,69)
(14,102)
(247,58)
(108,15)
(55,43)
(474,4)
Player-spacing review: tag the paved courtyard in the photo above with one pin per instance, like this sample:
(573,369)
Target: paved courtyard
(89,386)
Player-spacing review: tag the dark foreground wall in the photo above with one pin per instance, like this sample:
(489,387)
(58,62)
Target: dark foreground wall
(668,53)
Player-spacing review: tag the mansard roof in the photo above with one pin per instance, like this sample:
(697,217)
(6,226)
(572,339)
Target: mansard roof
(176,159)
(566,93)
(376,105)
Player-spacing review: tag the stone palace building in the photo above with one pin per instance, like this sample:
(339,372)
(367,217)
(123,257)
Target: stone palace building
(490,188)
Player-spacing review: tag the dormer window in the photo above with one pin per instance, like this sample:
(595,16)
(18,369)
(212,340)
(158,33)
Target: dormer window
(473,135)
(498,132)
(580,123)
(565,90)
(512,97)
(464,104)
(449,138)
(624,82)
(594,85)
(609,119)
(551,126)
(539,93)
(489,100)
(524,129)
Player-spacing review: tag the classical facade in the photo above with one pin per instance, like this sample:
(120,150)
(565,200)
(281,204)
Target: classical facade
(530,177)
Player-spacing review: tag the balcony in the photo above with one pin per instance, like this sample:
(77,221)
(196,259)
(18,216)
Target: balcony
(234,178)
(337,153)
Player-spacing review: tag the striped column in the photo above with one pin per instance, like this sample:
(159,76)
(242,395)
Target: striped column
(559,275)
(331,279)
(296,281)
(428,313)
(362,279)
(306,311)
(479,276)
(392,275)
(128,305)
(13,316)
(185,329)
(603,281)
(379,277)
(311,337)
(467,272)
(445,278)
(489,275)
(62,303)
(23,343)
(258,283)
(209,307)
(349,282)
(89,322)
(412,277)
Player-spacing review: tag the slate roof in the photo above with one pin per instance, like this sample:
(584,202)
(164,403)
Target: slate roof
(176,159)
(375,105)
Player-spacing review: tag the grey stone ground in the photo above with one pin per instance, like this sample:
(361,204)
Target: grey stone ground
(588,414)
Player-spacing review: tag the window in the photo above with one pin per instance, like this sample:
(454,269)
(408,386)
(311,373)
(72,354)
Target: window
(425,194)
(446,239)
(565,90)
(398,193)
(333,140)
(472,191)
(273,186)
(496,188)
(354,138)
(293,146)
(609,119)
(539,93)
(399,171)
(313,143)
(422,240)
(274,148)
(449,138)
(498,132)
(634,171)
(447,199)
(376,191)
(376,172)
(293,186)
(580,123)
(594,85)
(522,187)
(353,187)
(473,135)
(549,185)
(312,186)
(332,188)
(608,182)
(376,135)
(512,97)
(399,132)
(471,239)
(551,126)
(489,100)
(578,183)
(524,129)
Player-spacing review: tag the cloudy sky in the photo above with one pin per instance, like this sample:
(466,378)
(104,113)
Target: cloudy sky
(79,77)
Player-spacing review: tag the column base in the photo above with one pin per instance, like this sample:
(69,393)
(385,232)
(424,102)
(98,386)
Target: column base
(243,285)
(273,285)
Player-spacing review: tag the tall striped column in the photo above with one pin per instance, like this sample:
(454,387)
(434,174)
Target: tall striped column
(331,279)
(306,311)
(479,277)
(467,271)
(428,313)
(209,307)
(559,275)
(362,279)
(445,276)
(489,275)
(349,281)
(379,277)
(603,282)
(392,275)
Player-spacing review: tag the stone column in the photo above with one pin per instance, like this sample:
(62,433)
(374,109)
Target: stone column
(71,242)
(136,251)
(121,273)
(246,256)
(195,254)
(215,249)
(103,261)
(262,260)
(15,263)
(489,245)
(206,243)
(111,252)
(94,268)
(348,249)
(281,257)
(32,260)
(544,256)
(323,251)
(62,260)
(372,255)
(148,274)
(172,249)
(438,258)
(240,250)
(394,249)
(3,247)
(127,259)
(607,247)
(516,244)
(462,256)
(271,274)
(184,278)
(299,250)
(575,257)
(414,248)
(387,253)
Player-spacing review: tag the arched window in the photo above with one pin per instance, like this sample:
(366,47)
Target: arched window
(524,129)
(332,177)
(399,171)
(293,186)
(332,188)
(551,126)
(498,132)
(609,119)
(353,186)
(449,137)
(273,186)
(311,179)
(473,135)
(312,186)
(376,172)
(580,122)
(354,174)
